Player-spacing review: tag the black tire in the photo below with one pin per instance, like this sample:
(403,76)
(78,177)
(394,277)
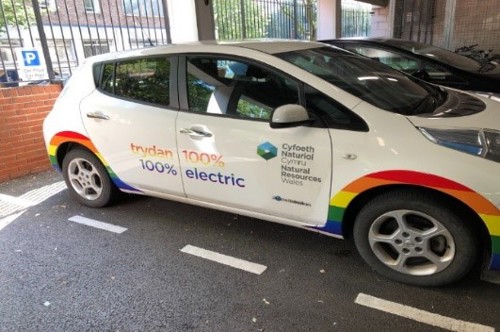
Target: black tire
(87,179)
(415,239)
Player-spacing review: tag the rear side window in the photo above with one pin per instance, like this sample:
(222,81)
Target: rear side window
(145,80)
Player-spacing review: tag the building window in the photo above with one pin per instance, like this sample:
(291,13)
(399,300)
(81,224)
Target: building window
(7,53)
(47,4)
(143,7)
(62,50)
(92,6)
(140,43)
(95,47)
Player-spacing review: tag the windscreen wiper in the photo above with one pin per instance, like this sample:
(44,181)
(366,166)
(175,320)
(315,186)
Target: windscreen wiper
(487,67)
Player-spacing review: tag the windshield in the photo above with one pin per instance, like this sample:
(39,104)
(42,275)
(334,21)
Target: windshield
(439,54)
(373,82)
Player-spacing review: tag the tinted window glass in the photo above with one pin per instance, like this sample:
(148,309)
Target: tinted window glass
(107,82)
(144,80)
(237,88)
(331,112)
(395,60)
(375,83)
(440,54)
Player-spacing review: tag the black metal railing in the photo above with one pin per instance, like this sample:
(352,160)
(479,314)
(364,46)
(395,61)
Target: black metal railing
(68,31)
(241,19)
(292,19)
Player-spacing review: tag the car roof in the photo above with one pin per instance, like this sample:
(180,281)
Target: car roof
(269,46)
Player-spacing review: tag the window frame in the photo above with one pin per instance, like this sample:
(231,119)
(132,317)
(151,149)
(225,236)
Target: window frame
(49,5)
(131,13)
(96,8)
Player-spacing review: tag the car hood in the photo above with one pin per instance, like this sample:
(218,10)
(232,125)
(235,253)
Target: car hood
(467,111)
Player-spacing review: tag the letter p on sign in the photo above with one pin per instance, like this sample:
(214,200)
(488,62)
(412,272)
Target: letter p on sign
(31,58)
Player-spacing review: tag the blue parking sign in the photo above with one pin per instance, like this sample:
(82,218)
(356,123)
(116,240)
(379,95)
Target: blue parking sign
(31,65)
(31,58)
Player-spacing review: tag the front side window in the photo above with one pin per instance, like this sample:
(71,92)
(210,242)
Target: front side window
(237,88)
(145,80)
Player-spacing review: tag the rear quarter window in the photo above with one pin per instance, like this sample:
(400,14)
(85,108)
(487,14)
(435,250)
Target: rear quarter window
(144,80)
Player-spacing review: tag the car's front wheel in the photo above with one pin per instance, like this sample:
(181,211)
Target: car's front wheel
(87,179)
(414,239)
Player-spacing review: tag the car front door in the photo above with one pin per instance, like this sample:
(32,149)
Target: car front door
(130,119)
(229,154)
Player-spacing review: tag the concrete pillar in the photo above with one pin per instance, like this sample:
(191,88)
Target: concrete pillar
(191,20)
(182,15)
(329,19)
(205,19)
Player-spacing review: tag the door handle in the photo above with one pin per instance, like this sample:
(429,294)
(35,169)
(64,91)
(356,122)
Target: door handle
(97,115)
(195,132)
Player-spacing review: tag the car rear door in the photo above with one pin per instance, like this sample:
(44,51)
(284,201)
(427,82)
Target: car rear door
(130,119)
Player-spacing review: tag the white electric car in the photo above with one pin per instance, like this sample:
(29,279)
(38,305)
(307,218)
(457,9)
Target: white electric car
(299,133)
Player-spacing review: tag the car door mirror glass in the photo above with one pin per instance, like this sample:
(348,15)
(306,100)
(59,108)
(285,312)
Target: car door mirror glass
(290,115)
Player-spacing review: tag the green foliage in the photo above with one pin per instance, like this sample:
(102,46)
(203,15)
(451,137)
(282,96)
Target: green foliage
(248,109)
(304,11)
(14,12)
(237,19)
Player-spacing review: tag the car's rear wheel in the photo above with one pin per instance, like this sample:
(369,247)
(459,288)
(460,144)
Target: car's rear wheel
(87,179)
(414,239)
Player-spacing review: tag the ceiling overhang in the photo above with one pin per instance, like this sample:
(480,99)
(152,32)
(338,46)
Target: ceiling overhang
(381,3)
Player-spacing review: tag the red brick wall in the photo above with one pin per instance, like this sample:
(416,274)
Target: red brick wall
(22,110)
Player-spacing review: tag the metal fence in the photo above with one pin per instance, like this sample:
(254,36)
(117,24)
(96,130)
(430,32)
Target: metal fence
(240,19)
(67,31)
(293,19)
(356,19)
(414,20)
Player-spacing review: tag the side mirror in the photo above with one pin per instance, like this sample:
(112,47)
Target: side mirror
(290,115)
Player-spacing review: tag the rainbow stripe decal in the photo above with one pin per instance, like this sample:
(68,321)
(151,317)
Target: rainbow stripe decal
(484,208)
(70,136)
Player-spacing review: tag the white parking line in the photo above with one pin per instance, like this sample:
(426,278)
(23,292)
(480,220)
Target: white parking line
(98,224)
(226,260)
(11,204)
(7,220)
(420,315)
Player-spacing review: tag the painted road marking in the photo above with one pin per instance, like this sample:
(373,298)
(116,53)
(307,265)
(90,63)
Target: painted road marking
(7,220)
(10,204)
(6,199)
(98,224)
(223,259)
(13,207)
(420,315)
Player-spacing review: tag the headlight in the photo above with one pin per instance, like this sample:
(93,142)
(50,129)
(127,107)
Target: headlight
(480,142)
